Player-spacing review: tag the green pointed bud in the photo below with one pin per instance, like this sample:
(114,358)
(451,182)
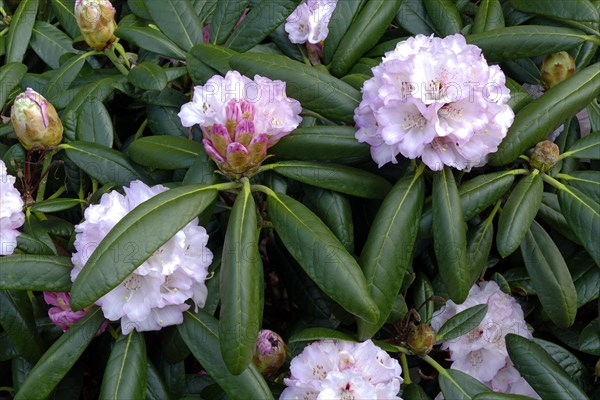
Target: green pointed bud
(544,156)
(96,20)
(421,339)
(556,68)
(35,121)
(269,354)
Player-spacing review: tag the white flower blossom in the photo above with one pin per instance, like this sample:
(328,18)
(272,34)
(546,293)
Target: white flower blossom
(11,212)
(309,21)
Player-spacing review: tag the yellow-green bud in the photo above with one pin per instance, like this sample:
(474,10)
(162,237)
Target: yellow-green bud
(269,354)
(421,339)
(544,156)
(35,121)
(96,20)
(556,68)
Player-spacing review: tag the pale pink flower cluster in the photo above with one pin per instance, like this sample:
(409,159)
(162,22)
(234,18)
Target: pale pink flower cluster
(11,212)
(154,295)
(436,99)
(309,21)
(343,370)
(482,352)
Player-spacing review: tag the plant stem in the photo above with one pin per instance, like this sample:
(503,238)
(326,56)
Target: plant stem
(110,53)
(42,188)
(140,130)
(550,180)
(263,189)
(405,370)
(60,191)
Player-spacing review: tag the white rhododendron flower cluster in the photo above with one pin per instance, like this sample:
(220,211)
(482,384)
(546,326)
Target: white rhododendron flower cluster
(434,99)
(11,212)
(309,21)
(154,295)
(482,352)
(343,370)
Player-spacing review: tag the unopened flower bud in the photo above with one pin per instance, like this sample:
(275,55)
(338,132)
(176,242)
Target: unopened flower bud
(96,20)
(269,354)
(421,339)
(544,156)
(35,121)
(556,68)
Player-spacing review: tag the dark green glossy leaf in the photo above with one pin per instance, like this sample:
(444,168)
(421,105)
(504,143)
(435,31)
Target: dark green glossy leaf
(320,333)
(164,121)
(177,20)
(414,392)
(35,272)
(30,245)
(539,369)
(10,76)
(479,193)
(341,178)
(209,55)
(462,323)
(449,236)
(364,32)
(479,244)
(94,124)
(50,43)
(165,152)
(20,29)
(60,357)
(549,276)
(16,318)
(126,369)
(551,214)
(489,17)
(586,147)
(64,10)
(577,10)
(240,314)
(500,396)
(148,76)
(55,205)
(316,90)
(518,212)
(542,116)
(457,385)
(341,18)
(586,277)
(225,16)
(388,251)
(589,340)
(201,333)
(567,361)
(202,171)
(155,388)
(413,18)
(64,76)
(136,237)
(322,256)
(152,40)
(444,15)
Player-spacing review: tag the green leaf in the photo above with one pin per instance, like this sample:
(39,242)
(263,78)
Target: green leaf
(35,272)
(414,392)
(30,245)
(449,236)
(64,76)
(462,323)
(322,256)
(64,13)
(589,340)
(586,147)
(148,76)
(567,361)
(262,19)
(550,276)
(240,314)
(201,171)
(326,143)
(364,32)
(479,244)
(101,163)
(20,29)
(519,211)
(542,116)
(457,385)
(50,43)
(587,182)
(164,121)
(480,192)
(445,16)
(60,357)
(94,124)
(10,76)
(152,40)
(201,334)
(135,238)
(226,14)
(576,10)
(500,396)
(341,18)
(583,215)
(519,97)
(422,292)
(177,20)
(320,333)
(489,17)
(551,214)
(16,318)
(126,370)
(156,388)
(316,90)
(539,369)
(341,178)
(523,41)
(165,152)
(387,253)
(215,57)
(413,18)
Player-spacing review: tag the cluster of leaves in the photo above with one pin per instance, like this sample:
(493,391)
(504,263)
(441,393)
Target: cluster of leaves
(320,243)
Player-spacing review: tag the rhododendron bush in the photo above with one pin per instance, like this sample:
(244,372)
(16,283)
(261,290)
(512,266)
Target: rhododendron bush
(299,199)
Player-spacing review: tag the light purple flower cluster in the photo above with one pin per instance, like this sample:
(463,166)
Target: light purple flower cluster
(61,313)
(482,352)
(154,295)
(309,21)
(343,370)
(11,212)
(436,99)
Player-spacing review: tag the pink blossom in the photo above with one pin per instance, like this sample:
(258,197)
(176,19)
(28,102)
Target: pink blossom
(11,212)
(61,314)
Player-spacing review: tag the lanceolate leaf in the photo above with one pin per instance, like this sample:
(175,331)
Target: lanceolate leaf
(449,236)
(94,124)
(540,117)
(152,40)
(148,76)
(312,334)
(587,182)
(322,256)
(20,28)
(457,385)
(10,76)
(50,43)
(489,17)
(126,369)
(549,276)
(201,334)
(136,237)
(541,371)
(35,272)
(462,323)
(226,15)
(177,20)
(479,244)
(240,314)
(343,15)
(520,209)
(64,76)
(389,247)
(444,15)
(165,152)
(586,147)
(16,318)
(577,10)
